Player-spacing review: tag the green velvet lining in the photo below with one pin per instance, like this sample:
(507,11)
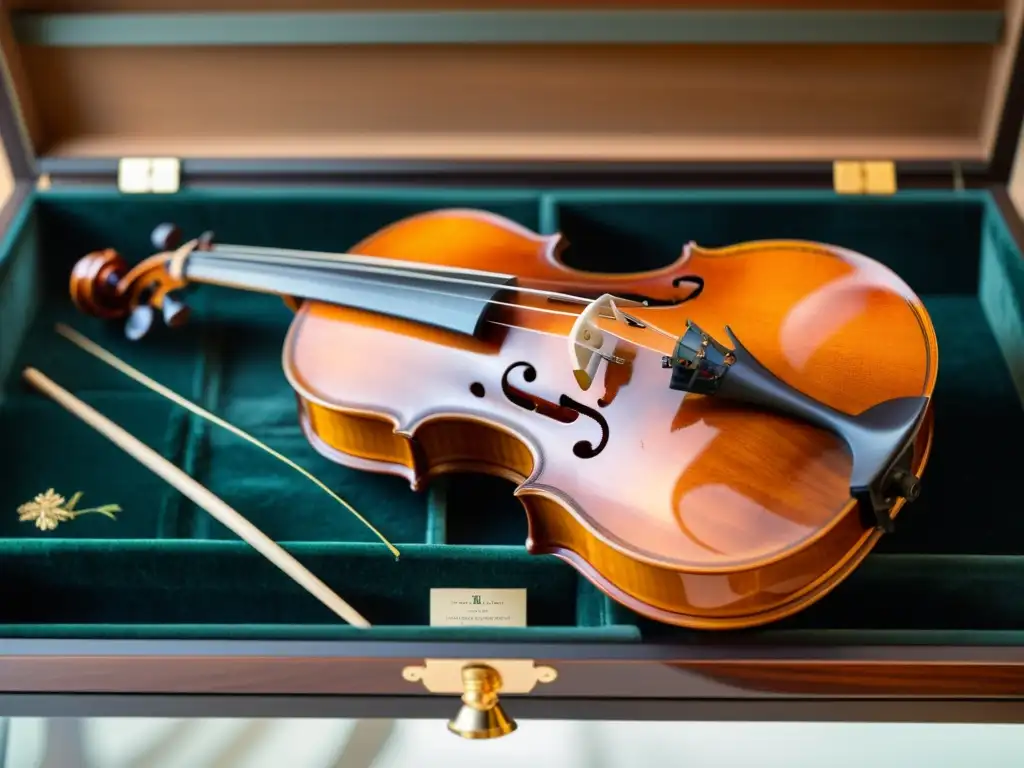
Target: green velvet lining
(166,569)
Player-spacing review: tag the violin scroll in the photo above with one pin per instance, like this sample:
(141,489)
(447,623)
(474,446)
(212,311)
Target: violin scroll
(94,285)
(102,285)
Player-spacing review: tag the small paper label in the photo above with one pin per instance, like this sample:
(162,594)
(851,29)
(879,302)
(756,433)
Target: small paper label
(478,607)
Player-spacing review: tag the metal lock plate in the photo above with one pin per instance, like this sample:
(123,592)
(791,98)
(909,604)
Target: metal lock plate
(445,675)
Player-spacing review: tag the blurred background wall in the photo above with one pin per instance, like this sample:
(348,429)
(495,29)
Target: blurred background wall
(172,743)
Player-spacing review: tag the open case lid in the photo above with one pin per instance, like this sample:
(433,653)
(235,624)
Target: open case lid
(701,89)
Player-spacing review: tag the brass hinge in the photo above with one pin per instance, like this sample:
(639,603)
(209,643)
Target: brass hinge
(853,177)
(155,175)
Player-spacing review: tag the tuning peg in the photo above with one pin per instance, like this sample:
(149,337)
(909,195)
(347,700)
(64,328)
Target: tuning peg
(139,322)
(175,312)
(166,237)
(205,241)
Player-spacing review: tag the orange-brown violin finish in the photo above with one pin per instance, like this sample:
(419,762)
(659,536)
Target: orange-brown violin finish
(686,508)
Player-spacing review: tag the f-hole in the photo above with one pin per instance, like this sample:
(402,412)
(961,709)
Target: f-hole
(566,410)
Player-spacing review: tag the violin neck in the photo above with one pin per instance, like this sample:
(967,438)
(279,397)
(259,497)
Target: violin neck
(422,293)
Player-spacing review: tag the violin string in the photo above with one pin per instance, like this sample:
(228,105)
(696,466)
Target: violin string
(418,272)
(320,258)
(280,256)
(433,291)
(356,258)
(598,352)
(480,299)
(233,253)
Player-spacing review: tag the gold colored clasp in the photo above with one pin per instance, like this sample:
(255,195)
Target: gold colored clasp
(481,715)
(852,177)
(445,675)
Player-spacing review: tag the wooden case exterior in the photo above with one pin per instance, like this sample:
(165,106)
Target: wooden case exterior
(717,680)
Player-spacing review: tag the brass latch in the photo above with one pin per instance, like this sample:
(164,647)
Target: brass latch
(852,177)
(155,175)
(479,682)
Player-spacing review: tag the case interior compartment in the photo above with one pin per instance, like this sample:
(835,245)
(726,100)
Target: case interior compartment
(166,569)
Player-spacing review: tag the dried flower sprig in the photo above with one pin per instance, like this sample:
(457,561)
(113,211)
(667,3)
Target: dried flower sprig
(50,509)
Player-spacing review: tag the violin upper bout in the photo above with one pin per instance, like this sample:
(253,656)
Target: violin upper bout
(454,237)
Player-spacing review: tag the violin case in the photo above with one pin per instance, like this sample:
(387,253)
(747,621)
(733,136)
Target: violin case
(888,127)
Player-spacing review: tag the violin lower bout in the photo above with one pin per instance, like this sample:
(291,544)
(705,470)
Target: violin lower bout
(739,599)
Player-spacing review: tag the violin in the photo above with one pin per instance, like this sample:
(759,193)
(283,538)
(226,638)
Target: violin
(715,444)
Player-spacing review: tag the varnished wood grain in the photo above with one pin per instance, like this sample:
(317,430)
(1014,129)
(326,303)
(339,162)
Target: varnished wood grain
(599,679)
(695,512)
(863,679)
(673,103)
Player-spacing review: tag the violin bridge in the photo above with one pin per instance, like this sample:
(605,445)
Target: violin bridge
(586,340)
(586,368)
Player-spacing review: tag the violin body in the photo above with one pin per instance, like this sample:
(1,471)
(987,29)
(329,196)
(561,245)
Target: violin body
(688,509)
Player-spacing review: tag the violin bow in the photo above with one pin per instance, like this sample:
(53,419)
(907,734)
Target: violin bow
(115,362)
(198,493)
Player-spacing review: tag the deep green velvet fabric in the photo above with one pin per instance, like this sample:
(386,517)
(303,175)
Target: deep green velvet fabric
(165,568)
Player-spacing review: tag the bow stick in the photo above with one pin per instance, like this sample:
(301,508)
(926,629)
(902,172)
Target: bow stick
(199,494)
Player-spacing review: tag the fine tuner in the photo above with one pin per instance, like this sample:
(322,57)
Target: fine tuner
(699,427)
